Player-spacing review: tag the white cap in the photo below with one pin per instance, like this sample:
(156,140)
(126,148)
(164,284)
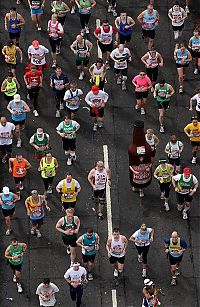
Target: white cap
(76,264)
(6,190)
(148,282)
(17,97)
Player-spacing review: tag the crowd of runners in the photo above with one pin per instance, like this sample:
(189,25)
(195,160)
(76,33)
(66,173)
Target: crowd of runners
(114,51)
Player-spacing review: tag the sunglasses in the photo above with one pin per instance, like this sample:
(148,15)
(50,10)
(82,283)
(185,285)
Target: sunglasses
(142,74)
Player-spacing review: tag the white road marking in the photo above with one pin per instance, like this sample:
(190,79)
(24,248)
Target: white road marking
(98,23)
(108,197)
(114,298)
(109,214)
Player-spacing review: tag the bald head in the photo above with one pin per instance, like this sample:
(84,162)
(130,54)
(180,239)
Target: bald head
(3,121)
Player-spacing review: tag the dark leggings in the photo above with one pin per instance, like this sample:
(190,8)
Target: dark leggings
(33,95)
(84,19)
(47,181)
(76,294)
(62,20)
(144,251)
(165,187)
(59,95)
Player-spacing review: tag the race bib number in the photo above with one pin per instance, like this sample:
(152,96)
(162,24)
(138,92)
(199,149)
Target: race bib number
(36,61)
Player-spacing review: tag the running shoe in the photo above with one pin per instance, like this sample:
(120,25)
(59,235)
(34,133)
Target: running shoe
(69,161)
(116,273)
(185,216)
(173,282)
(140,258)
(38,234)
(196,71)
(35,112)
(166,205)
(19,143)
(19,288)
(8,231)
(194,160)
(142,111)
(162,129)
(90,276)
(57,113)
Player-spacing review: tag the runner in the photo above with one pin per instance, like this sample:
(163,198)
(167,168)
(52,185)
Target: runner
(142,239)
(76,276)
(148,20)
(163,173)
(69,226)
(174,149)
(98,74)
(152,60)
(55,31)
(185,186)
(183,57)
(67,129)
(7,131)
(142,85)
(106,35)
(18,109)
(177,15)
(40,141)
(59,82)
(36,7)
(35,210)
(48,166)
(9,52)
(46,292)
(98,177)
(121,56)
(81,48)
(112,7)
(89,242)
(196,98)
(97,101)
(162,93)
(73,97)
(174,249)
(68,188)
(13,22)
(85,8)
(14,254)
(33,80)
(116,248)
(36,55)
(153,141)
(18,167)
(7,203)
(124,24)
(192,130)
(150,292)
(61,9)
(10,87)
(194,48)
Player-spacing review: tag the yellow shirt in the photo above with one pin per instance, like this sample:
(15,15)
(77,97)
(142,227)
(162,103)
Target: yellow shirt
(195,131)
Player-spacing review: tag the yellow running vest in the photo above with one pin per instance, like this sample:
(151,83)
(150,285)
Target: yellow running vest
(68,196)
(49,168)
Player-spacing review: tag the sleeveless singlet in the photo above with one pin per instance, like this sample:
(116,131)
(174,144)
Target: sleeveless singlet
(117,248)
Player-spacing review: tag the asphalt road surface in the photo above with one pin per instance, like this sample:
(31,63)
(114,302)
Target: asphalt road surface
(46,257)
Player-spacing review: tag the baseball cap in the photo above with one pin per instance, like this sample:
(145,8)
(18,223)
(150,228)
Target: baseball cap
(10,42)
(76,264)
(33,192)
(6,190)
(35,43)
(148,282)
(17,97)
(187,171)
(95,89)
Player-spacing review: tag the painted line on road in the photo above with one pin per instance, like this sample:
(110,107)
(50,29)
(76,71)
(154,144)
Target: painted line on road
(109,213)
(98,23)
(108,195)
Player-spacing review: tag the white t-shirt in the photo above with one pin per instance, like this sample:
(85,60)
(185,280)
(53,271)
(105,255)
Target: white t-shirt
(68,184)
(178,177)
(197,98)
(75,275)
(96,99)
(121,57)
(50,300)
(73,96)
(40,51)
(174,149)
(6,133)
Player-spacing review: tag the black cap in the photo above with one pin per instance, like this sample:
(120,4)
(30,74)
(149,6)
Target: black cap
(138,124)
(10,42)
